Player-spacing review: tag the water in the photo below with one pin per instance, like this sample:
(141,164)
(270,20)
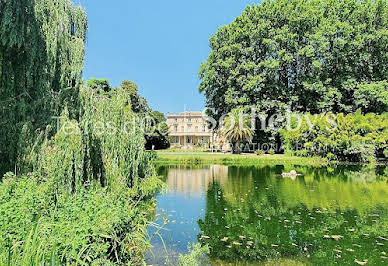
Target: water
(252,215)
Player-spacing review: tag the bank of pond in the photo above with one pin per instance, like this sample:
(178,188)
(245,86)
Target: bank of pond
(250,215)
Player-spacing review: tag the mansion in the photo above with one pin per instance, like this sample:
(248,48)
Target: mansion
(189,129)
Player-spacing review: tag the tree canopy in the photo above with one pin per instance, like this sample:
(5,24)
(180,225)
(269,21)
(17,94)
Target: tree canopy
(139,103)
(99,84)
(310,56)
(156,130)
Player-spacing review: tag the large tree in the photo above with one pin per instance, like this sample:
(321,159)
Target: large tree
(156,134)
(158,137)
(139,103)
(307,55)
(41,60)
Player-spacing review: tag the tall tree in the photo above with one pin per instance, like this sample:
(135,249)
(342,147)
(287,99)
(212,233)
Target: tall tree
(156,130)
(309,55)
(158,138)
(139,103)
(41,60)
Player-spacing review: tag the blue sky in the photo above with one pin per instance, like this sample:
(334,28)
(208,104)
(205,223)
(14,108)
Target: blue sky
(157,44)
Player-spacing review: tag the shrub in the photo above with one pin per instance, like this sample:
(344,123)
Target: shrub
(88,226)
(271,151)
(353,137)
(259,152)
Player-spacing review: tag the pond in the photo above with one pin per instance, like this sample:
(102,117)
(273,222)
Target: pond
(252,215)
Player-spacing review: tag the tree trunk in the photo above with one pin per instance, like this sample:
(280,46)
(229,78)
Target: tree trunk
(238,147)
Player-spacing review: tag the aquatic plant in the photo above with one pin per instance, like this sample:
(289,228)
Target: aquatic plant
(195,257)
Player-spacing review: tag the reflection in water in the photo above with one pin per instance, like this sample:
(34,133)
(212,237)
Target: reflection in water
(252,214)
(196,180)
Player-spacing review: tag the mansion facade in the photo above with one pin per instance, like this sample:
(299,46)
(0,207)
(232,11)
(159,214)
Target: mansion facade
(189,129)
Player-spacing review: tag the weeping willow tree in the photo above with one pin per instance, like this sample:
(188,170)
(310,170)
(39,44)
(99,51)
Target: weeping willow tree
(103,148)
(41,60)
(83,190)
(89,199)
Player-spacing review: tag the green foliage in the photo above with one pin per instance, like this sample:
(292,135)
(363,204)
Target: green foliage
(104,148)
(82,194)
(196,256)
(237,128)
(352,137)
(89,199)
(91,226)
(99,84)
(41,60)
(372,97)
(312,56)
(271,151)
(259,152)
(158,116)
(158,137)
(139,104)
(156,130)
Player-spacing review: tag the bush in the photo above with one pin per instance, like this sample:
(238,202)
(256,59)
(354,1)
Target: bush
(89,226)
(271,151)
(353,137)
(259,152)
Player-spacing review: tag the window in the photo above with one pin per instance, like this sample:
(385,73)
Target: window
(203,128)
(175,128)
(189,119)
(176,120)
(182,129)
(196,129)
(189,128)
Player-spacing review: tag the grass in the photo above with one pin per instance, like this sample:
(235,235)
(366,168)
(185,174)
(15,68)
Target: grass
(190,158)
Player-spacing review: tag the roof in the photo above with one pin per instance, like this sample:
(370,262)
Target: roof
(186,114)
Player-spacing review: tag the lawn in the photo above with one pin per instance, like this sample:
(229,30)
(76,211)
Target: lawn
(234,159)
